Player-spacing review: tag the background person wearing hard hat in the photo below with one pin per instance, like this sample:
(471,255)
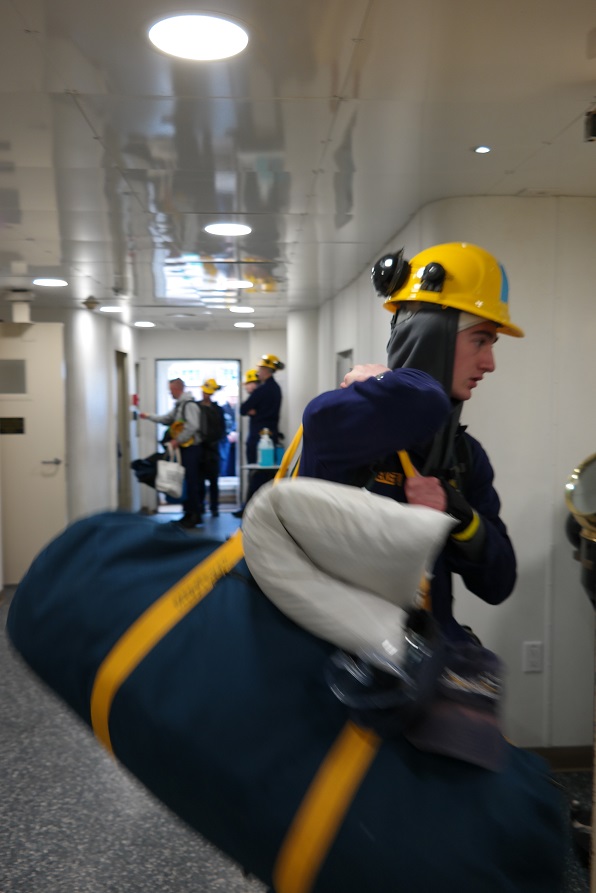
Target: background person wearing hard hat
(448,303)
(263,406)
(212,430)
(250,383)
(183,421)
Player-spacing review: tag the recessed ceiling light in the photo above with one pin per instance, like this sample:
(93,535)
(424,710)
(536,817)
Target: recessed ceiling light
(239,309)
(229,285)
(198,37)
(145,324)
(228,229)
(50,283)
(244,325)
(111,309)
(481,150)
(239,283)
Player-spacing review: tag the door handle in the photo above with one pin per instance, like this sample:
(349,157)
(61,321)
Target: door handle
(51,461)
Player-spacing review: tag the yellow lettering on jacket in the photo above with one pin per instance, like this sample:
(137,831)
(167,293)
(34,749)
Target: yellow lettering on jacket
(392,478)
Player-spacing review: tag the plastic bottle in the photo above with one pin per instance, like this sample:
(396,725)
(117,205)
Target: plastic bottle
(265,448)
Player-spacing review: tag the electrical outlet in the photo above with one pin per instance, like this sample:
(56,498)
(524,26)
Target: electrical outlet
(532,661)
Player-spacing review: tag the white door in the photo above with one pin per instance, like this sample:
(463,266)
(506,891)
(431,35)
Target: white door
(32,442)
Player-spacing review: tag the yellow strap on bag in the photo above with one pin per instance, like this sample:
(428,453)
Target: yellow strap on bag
(328,798)
(323,808)
(136,643)
(288,456)
(424,586)
(406,464)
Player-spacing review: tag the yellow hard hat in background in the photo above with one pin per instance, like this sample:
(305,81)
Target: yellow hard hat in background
(210,386)
(455,274)
(251,376)
(271,362)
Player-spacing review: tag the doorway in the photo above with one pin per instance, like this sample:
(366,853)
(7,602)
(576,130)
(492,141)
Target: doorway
(32,442)
(344,361)
(123,433)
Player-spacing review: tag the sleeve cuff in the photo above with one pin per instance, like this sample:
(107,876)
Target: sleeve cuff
(470,531)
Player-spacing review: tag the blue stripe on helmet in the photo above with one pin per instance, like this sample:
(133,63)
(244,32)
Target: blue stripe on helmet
(504,285)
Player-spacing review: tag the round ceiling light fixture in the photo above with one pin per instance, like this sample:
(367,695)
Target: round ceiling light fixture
(244,325)
(145,324)
(239,309)
(111,309)
(481,150)
(228,229)
(202,38)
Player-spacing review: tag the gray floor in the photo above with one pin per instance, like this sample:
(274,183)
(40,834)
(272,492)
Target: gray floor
(71,819)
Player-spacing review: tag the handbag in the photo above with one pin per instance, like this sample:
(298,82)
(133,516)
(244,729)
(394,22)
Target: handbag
(170,473)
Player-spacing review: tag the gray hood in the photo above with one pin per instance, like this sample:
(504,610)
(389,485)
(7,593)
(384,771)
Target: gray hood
(423,337)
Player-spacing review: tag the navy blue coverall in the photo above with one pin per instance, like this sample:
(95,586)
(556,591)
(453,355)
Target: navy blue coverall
(352,435)
(266,400)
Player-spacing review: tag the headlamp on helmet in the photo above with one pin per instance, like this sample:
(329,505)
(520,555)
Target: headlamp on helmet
(389,273)
(456,274)
(270,361)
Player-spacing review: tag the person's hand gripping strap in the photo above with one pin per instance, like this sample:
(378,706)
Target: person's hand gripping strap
(424,587)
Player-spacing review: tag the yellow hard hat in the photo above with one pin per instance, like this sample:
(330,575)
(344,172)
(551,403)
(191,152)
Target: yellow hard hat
(271,362)
(251,376)
(455,274)
(210,386)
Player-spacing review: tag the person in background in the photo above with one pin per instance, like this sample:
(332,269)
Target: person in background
(261,407)
(212,429)
(448,305)
(227,445)
(183,423)
(251,383)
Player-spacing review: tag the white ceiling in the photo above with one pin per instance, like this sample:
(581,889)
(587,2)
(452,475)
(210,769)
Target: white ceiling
(338,122)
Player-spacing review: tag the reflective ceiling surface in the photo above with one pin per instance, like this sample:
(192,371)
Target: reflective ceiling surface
(337,123)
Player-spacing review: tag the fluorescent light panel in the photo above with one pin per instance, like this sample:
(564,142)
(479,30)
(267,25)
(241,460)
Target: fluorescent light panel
(228,229)
(50,283)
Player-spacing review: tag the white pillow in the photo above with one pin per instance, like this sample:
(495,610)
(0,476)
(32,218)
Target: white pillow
(340,561)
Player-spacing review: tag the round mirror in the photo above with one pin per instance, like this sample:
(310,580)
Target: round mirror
(580,492)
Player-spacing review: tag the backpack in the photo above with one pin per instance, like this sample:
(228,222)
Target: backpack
(212,426)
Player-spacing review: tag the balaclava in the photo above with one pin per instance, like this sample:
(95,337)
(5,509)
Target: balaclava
(423,337)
